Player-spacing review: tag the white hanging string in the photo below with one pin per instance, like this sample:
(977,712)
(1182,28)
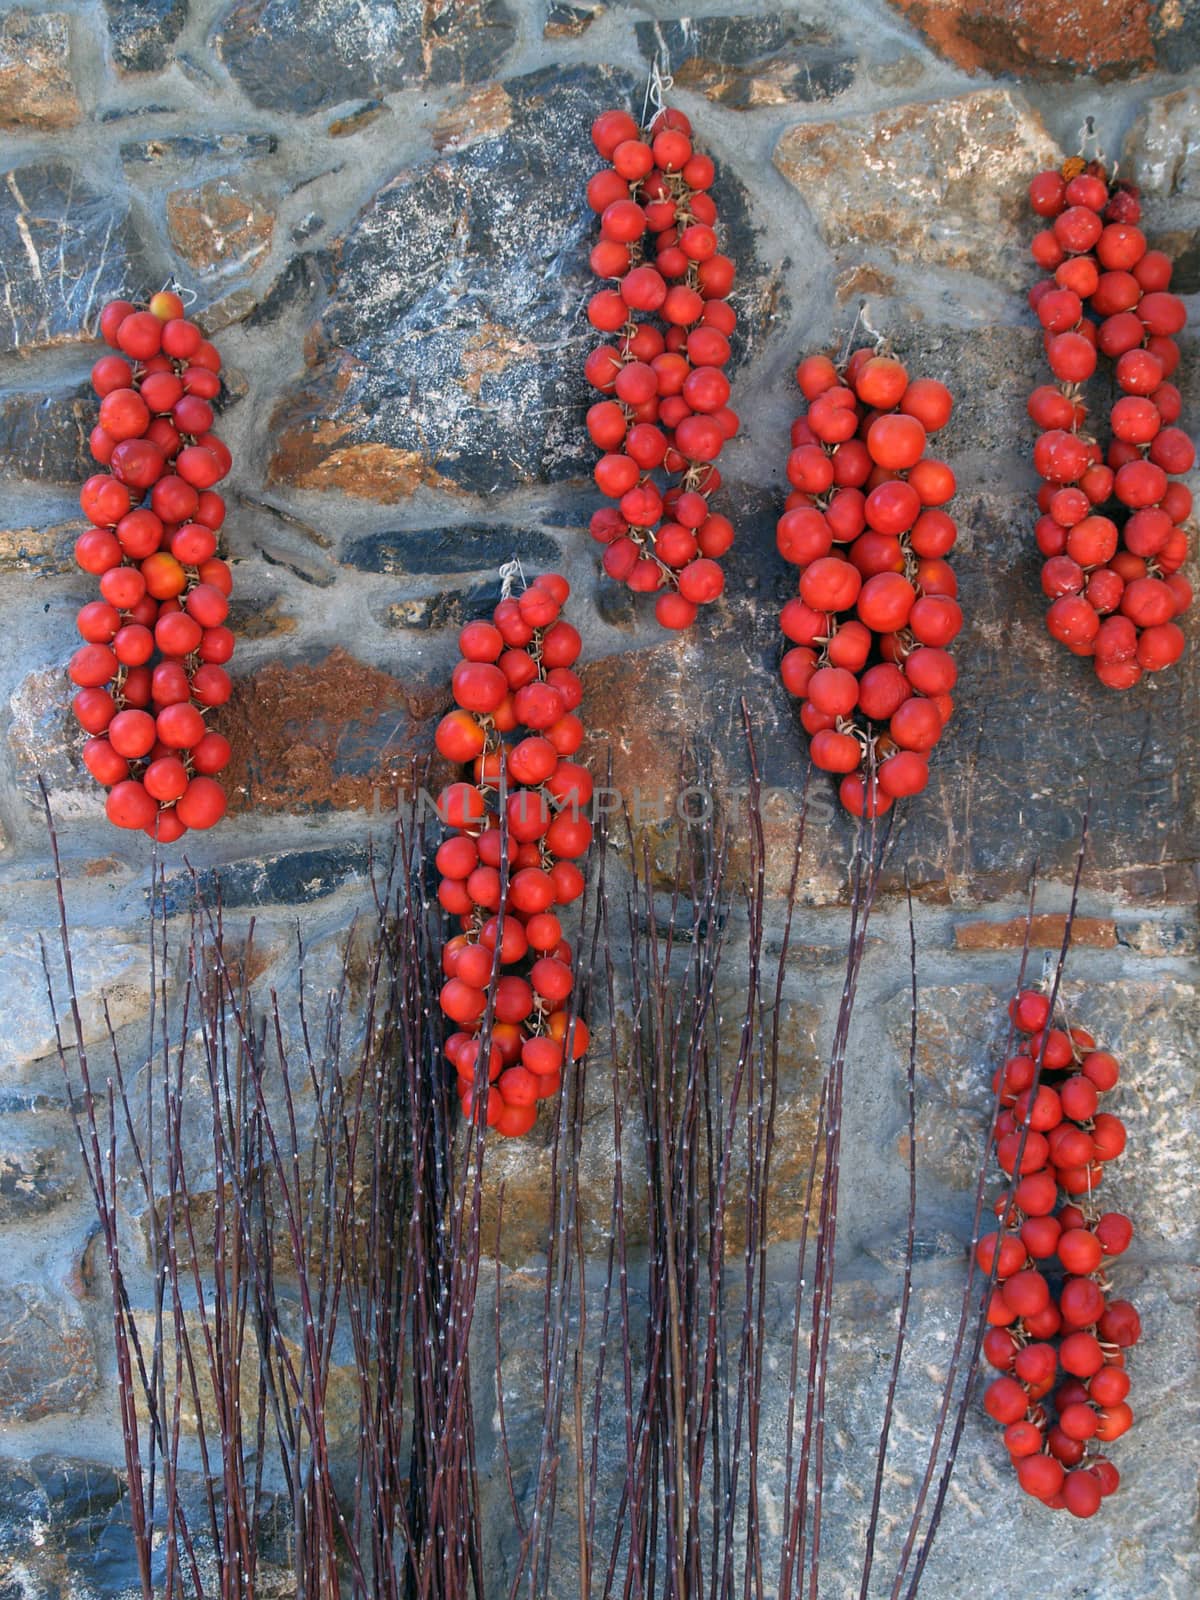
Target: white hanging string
(657,86)
(849,339)
(173,286)
(879,338)
(509,573)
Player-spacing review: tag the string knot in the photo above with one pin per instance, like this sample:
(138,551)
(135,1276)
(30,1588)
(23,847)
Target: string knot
(509,573)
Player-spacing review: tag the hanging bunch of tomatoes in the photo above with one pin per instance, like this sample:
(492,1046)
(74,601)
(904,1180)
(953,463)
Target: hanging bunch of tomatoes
(664,415)
(1052,1311)
(152,665)
(516,697)
(877,605)
(1113,522)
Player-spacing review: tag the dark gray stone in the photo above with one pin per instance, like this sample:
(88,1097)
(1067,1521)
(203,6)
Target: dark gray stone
(67,249)
(44,436)
(297,285)
(122,113)
(750,61)
(1186,277)
(450,609)
(470,548)
(65,1532)
(452,349)
(186,149)
(54,1516)
(312,222)
(143,32)
(568,22)
(296,56)
(293,879)
(1175,29)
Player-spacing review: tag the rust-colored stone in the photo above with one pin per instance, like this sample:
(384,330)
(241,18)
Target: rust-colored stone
(1037,38)
(856,282)
(303,459)
(334,734)
(483,115)
(1046,933)
(35,72)
(217,228)
(44,550)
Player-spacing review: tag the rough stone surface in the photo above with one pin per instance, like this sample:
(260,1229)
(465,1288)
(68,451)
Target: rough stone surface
(942,184)
(37,1168)
(185,150)
(67,249)
(1163,148)
(46,550)
(109,968)
(1176,31)
(1034,39)
(144,31)
(296,878)
(43,739)
(63,1523)
(470,548)
(44,437)
(333,734)
(36,91)
(46,1359)
(1045,932)
(744,62)
(288,55)
(219,229)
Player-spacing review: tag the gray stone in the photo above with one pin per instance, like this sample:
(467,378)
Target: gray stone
(1175,28)
(44,434)
(1133,1551)
(65,1533)
(109,966)
(295,878)
(63,1523)
(184,149)
(39,1168)
(472,547)
(296,286)
(750,61)
(286,55)
(45,740)
(1162,152)
(46,1358)
(68,248)
(144,31)
(569,22)
(451,352)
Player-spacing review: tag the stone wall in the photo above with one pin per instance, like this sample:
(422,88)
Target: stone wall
(379,209)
